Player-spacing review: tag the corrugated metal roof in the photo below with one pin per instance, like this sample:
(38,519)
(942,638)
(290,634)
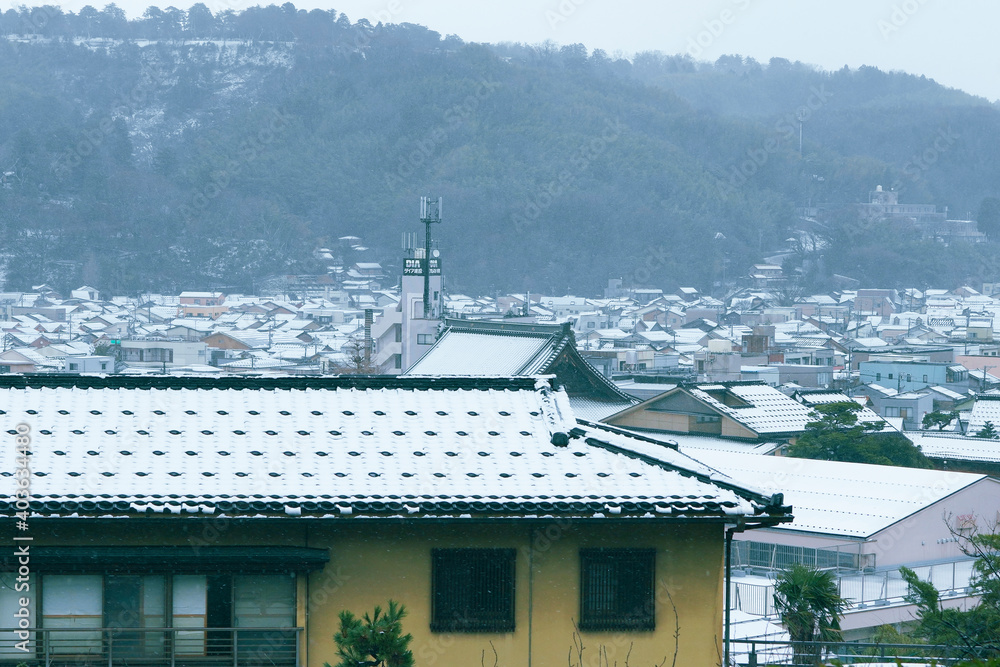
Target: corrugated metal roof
(595,410)
(463,353)
(955,446)
(845,499)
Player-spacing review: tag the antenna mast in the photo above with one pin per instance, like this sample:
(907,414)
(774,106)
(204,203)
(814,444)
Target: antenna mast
(430,212)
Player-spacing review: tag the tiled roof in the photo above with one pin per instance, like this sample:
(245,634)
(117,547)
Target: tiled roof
(692,444)
(339,447)
(814,398)
(985,409)
(769,411)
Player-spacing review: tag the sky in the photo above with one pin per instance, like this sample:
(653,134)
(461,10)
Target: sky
(952,42)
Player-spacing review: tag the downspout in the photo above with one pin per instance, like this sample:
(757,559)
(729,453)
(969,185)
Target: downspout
(741,526)
(738,528)
(531,580)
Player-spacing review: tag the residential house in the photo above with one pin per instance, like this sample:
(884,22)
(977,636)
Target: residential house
(744,411)
(946,400)
(908,406)
(912,374)
(85,293)
(191,520)
(89,363)
(985,409)
(202,304)
(26,360)
(159,353)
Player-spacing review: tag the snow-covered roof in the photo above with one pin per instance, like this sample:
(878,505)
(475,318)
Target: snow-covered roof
(768,410)
(864,415)
(593,409)
(945,445)
(985,409)
(844,499)
(948,393)
(692,444)
(344,447)
(460,352)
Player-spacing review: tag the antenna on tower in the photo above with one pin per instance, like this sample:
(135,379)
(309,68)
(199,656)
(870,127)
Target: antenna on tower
(430,213)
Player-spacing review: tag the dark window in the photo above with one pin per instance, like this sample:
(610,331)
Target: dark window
(135,601)
(616,589)
(472,590)
(160,354)
(218,611)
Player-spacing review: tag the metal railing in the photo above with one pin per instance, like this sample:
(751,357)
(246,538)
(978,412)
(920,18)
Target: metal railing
(865,589)
(767,556)
(761,652)
(151,647)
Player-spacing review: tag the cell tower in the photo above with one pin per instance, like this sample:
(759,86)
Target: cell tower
(430,213)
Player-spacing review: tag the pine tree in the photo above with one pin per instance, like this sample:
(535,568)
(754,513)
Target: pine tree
(988,431)
(375,641)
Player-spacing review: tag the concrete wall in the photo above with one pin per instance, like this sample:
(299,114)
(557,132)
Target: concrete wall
(917,538)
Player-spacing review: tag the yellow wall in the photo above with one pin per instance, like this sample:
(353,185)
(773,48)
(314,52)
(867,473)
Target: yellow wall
(369,565)
(374,561)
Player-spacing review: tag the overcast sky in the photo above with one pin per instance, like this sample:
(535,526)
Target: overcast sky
(953,42)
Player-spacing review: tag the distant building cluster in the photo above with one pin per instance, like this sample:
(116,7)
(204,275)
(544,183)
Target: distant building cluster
(645,421)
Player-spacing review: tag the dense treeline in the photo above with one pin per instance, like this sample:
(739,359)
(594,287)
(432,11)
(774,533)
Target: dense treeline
(271,23)
(186,148)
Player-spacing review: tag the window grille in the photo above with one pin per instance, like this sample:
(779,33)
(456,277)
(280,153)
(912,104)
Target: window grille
(472,590)
(616,589)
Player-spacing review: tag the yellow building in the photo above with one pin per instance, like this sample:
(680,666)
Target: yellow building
(228,521)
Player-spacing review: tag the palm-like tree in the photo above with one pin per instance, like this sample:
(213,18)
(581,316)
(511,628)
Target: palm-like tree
(810,609)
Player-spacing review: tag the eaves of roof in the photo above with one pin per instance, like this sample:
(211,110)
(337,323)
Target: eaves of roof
(42,380)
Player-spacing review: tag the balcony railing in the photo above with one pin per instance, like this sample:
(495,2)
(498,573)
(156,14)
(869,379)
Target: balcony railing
(864,589)
(758,653)
(151,647)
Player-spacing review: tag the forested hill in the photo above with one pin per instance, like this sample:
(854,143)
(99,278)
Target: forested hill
(186,149)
